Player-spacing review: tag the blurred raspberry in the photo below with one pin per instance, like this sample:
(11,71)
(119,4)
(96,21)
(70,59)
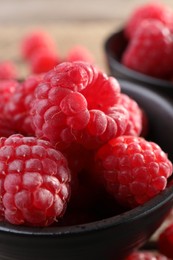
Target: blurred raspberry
(43,60)
(148,11)
(35,41)
(35,181)
(146,255)
(80,53)
(8,70)
(17,110)
(132,169)
(150,51)
(165,241)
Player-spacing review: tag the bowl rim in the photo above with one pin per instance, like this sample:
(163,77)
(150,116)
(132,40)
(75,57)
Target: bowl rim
(134,75)
(107,223)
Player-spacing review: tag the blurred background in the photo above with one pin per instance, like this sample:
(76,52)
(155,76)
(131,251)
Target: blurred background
(46,11)
(69,23)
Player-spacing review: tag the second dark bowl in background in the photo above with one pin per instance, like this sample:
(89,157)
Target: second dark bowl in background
(114,46)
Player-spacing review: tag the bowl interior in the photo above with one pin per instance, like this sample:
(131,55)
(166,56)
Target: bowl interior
(112,237)
(160,116)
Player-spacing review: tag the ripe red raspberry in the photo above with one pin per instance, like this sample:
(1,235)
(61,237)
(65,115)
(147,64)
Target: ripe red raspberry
(79,53)
(43,60)
(7,88)
(165,241)
(35,181)
(146,255)
(134,126)
(156,11)
(34,41)
(132,169)
(17,109)
(8,70)
(71,104)
(150,50)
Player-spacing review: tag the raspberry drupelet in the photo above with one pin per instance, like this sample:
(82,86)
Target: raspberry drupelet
(132,169)
(35,181)
(72,105)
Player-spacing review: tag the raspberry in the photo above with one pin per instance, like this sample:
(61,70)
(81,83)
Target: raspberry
(134,126)
(150,50)
(7,88)
(132,169)
(70,106)
(35,181)
(79,53)
(165,241)
(8,70)
(17,110)
(35,41)
(43,61)
(145,255)
(156,11)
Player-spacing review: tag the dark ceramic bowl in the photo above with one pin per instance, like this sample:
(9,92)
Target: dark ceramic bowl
(107,239)
(114,48)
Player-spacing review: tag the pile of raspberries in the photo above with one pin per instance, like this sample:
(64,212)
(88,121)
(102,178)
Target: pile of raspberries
(69,138)
(71,141)
(149,31)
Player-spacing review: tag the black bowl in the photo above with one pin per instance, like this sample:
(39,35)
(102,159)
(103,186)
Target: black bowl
(114,47)
(107,239)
